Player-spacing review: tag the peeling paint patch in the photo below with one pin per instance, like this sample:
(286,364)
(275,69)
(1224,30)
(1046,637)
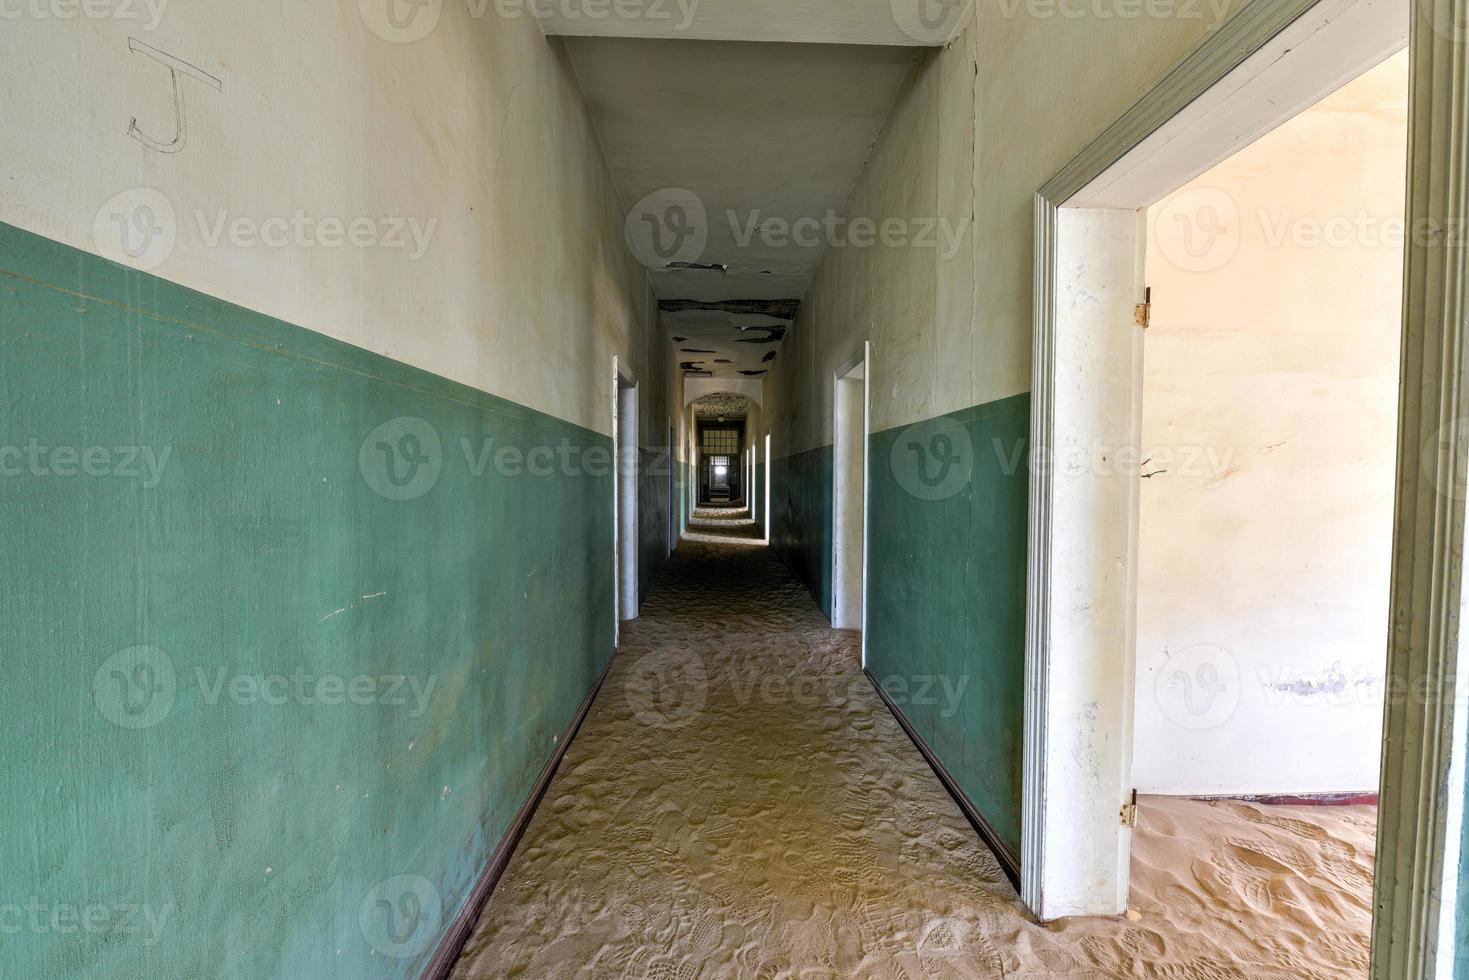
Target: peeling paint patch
(1334,685)
(780,309)
(722,405)
(774,335)
(697,267)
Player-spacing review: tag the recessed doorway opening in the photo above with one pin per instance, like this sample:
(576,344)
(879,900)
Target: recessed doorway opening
(769,471)
(625,501)
(849,505)
(724,443)
(1101,659)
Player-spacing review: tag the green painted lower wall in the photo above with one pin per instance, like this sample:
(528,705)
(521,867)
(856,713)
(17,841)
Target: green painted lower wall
(289,632)
(800,513)
(946,592)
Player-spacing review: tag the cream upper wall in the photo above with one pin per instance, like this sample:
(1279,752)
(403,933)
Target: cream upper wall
(979,128)
(1270,416)
(527,289)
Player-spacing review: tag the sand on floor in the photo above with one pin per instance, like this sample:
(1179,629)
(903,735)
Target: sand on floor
(740,803)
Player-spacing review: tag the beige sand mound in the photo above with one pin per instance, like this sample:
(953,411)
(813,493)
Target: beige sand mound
(714,820)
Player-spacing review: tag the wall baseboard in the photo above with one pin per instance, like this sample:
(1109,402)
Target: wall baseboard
(1296,799)
(452,944)
(1009,863)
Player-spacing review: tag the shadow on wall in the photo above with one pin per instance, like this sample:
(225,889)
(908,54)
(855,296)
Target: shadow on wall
(801,516)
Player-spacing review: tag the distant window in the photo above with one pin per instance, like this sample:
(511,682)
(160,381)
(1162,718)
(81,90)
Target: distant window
(721,442)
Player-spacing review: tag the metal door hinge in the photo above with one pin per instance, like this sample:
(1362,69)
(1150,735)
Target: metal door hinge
(1129,812)
(1142,313)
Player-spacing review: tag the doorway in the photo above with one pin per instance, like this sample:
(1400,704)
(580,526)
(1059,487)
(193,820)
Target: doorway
(769,475)
(1269,434)
(721,481)
(675,504)
(1259,70)
(625,500)
(721,487)
(750,482)
(849,504)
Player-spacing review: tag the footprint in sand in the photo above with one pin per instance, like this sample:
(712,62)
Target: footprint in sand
(1144,944)
(1271,856)
(706,935)
(1299,827)
(1056,961)
(941,939)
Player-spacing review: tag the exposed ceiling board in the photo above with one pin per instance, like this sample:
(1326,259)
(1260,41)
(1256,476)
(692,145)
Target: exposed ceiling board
(887,22)
(734,142)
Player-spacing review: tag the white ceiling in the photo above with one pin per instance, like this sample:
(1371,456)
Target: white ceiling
(907,23)
(737,135)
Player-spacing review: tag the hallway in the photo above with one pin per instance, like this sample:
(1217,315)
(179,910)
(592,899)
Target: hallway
(739,803)
(757,489)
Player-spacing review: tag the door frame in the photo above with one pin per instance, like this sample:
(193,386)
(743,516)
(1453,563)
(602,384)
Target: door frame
(691,450)
(673,501)
(862,360)
(748,490)
(1218,89)
(765,518)
(624,494)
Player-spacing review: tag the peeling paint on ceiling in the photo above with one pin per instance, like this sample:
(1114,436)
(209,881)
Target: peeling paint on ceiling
(724,405)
